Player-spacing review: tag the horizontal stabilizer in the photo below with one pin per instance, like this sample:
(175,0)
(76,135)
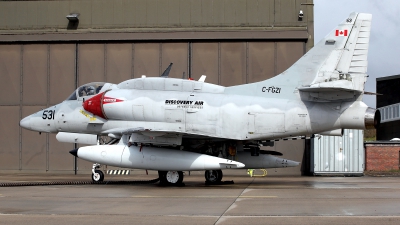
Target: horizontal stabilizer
(371,93)
(324,94)
(325,89)
(337,87)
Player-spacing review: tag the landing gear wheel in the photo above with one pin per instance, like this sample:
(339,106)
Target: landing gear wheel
(213,176)
(170,177)
(174,177)
(97,176)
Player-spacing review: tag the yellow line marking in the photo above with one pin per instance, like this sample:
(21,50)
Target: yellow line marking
(91,118)
(181,196)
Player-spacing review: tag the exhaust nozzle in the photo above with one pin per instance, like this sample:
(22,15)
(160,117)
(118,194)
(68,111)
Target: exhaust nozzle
(372,118)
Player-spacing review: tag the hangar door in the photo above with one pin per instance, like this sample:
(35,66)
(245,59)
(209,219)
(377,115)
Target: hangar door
(35,76)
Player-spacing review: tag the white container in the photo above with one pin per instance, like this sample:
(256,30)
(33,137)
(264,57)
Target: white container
(335,155)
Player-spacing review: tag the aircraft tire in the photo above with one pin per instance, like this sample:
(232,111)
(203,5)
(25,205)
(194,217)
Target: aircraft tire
(213,176)
(97,176)
(170,177)
(174,177)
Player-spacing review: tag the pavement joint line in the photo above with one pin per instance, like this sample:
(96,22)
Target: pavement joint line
(207,196)
(222,215)
(330,216)
(199,197)
(207,216)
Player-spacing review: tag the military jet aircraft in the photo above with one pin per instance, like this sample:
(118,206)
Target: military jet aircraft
(174,125)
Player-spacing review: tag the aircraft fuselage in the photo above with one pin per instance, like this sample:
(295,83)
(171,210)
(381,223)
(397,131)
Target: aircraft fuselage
(209,114)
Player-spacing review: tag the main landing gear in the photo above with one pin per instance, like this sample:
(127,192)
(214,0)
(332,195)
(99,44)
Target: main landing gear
(175,178)
(97,175)
(171,178)
(167,178)
(213,176)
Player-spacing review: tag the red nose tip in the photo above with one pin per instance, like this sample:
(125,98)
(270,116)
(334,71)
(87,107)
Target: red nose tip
(94,105)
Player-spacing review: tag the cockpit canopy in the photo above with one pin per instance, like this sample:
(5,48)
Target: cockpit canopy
(89,89)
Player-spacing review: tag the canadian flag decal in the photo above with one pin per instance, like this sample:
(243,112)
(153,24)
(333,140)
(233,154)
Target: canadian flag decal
(341,33)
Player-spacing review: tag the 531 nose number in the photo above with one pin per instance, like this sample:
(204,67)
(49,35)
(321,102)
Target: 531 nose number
(48,114)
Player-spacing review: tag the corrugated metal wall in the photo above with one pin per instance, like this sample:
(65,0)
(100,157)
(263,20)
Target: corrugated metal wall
(35,76)
(339,155)
(151,13)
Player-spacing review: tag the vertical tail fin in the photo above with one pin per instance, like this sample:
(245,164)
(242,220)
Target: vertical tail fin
(354,56)
(337,63)
(348,59)
(342,73)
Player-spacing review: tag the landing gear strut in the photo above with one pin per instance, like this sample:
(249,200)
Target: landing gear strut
(97,175)
(170,177)
(213,176)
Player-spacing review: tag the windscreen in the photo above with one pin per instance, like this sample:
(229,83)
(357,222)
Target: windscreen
(89,89)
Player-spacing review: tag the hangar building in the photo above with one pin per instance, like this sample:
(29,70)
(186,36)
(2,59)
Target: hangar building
(44,57)
(388,102)
(384,153)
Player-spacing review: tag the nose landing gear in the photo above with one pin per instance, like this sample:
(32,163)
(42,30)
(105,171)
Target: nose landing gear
(97,175)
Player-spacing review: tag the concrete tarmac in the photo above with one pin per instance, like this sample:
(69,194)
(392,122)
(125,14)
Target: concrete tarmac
(266,200)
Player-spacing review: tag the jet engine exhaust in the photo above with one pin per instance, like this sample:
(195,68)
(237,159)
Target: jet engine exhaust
(372,118)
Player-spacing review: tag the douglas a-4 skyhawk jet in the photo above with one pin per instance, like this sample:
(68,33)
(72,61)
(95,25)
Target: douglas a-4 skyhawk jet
(174,125)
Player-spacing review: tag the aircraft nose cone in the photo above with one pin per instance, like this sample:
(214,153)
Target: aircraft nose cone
(74,152)
(26,123)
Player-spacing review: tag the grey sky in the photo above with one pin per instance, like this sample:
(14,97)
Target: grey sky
(384,50)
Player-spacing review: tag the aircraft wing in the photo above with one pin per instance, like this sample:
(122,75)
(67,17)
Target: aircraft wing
(142,135)
(122,131)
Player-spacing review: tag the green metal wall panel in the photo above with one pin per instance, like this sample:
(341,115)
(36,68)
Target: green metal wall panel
(10,70)
(34,146)
(62,71)
(118,62)
(9,138)
(106,14)
(35,79)
(90,63)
